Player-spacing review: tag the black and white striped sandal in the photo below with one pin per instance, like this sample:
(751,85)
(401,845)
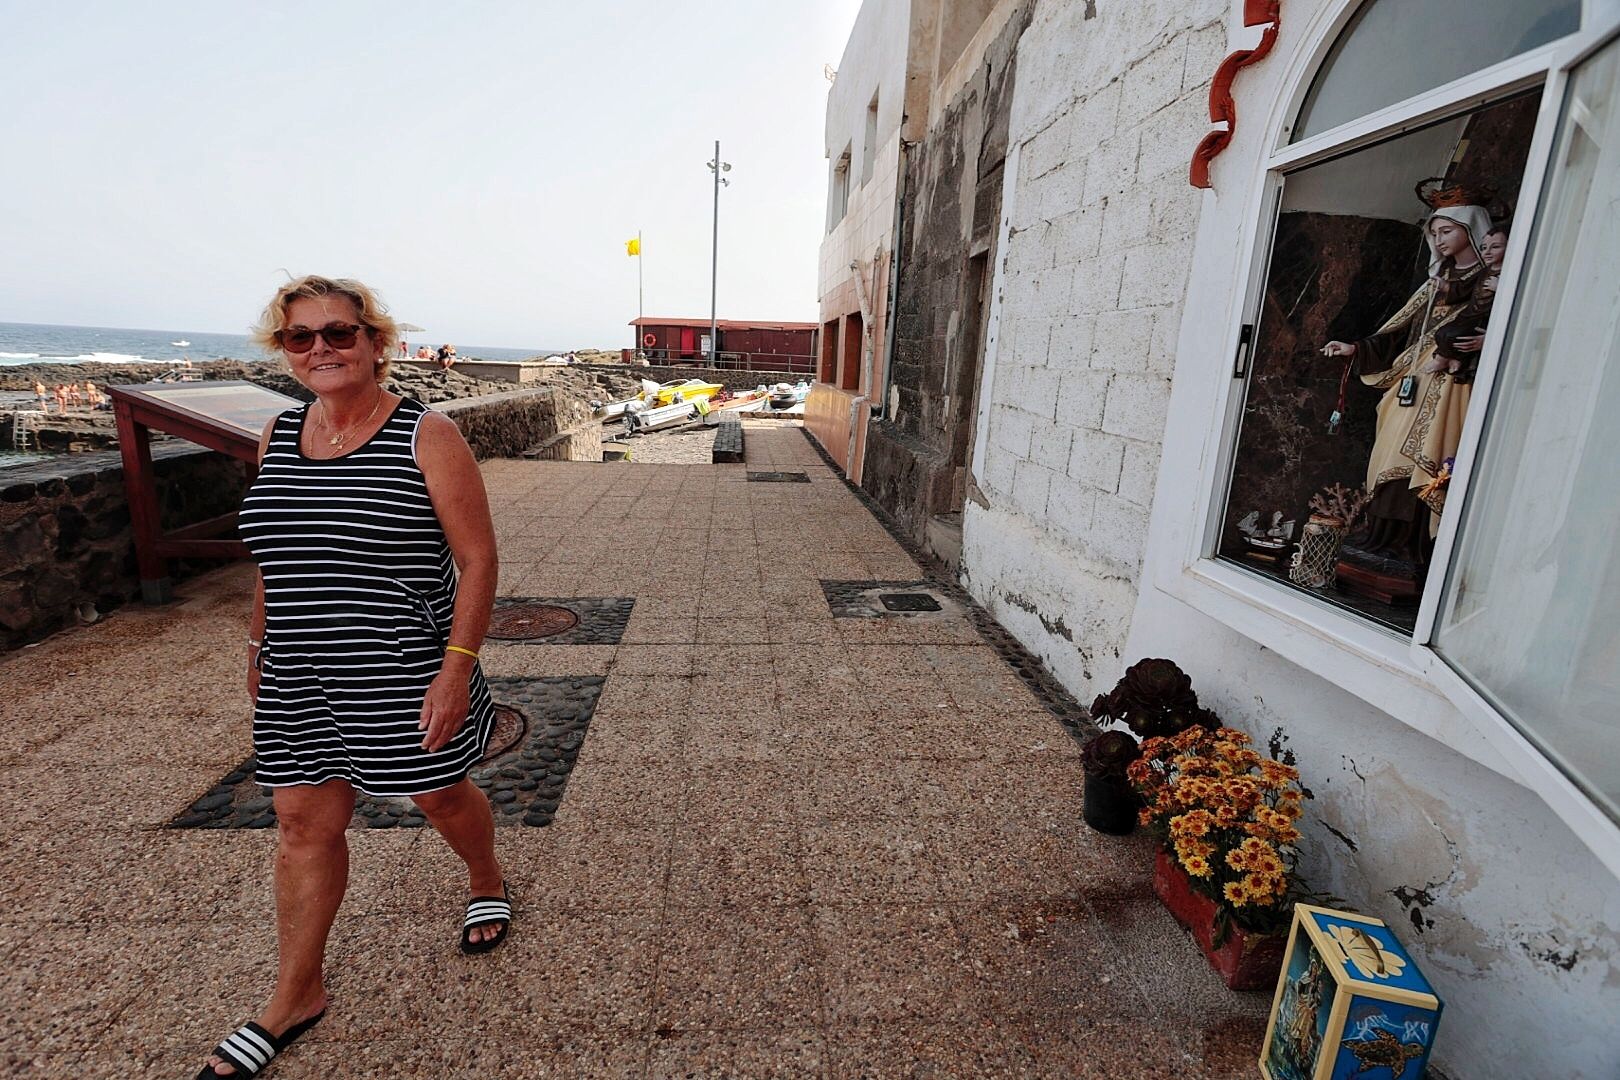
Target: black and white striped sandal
(482,911)
(250,1048)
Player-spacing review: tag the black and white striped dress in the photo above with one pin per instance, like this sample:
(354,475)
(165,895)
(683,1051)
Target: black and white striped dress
(359,587)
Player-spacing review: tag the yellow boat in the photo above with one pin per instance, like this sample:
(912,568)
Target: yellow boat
(690,390)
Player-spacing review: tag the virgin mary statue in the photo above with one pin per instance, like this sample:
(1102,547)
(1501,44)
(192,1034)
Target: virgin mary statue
(1420,416)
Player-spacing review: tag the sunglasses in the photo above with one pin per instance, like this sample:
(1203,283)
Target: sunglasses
(338,336)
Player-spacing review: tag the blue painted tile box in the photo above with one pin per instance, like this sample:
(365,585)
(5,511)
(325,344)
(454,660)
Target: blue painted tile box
(1350,1003)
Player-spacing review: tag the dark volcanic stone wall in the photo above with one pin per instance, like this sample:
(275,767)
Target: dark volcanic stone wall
(662,373)
(505,425)
(65,536)
(916,454)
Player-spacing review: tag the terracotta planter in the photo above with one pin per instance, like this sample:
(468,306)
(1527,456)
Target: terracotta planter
(1245,961)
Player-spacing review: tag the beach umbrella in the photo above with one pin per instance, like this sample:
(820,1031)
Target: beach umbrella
(411,328)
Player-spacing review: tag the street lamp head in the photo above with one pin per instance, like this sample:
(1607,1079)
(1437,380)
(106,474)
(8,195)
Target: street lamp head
(726,165)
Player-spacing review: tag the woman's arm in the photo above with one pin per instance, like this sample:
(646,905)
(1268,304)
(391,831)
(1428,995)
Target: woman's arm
(256,618)
(457,490)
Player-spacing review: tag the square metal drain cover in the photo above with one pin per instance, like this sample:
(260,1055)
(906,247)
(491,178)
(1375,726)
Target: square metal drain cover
(905,601)
(778,478)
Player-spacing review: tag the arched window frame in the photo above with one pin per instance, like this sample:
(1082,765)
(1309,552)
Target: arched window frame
(1403,677)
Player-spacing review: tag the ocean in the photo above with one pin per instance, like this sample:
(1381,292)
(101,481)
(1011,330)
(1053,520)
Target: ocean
(32,343)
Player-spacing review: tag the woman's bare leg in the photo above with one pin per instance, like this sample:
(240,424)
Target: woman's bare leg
(462,815)
(312,873)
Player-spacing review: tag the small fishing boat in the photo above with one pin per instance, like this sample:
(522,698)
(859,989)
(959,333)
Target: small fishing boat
(655,394)
(748,401)
(785,396)
(181,344)
(688,389)
(640,417)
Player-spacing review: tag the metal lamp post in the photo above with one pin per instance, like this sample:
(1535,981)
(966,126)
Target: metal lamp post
(716,167)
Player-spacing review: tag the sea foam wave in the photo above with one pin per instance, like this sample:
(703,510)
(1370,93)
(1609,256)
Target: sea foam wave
(13,359)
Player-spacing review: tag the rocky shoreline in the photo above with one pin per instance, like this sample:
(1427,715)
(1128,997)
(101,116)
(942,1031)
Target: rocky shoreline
(83,429)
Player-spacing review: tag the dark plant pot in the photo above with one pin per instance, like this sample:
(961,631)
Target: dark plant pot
(1110,804)
(1245,961)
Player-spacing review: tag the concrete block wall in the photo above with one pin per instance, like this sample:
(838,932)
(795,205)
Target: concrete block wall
(1110,101)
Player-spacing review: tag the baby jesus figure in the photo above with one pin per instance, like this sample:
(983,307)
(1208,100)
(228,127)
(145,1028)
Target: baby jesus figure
(1457,344)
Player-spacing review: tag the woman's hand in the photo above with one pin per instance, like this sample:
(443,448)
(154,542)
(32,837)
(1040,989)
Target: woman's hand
(444,708)
(1339,348)
(253,674)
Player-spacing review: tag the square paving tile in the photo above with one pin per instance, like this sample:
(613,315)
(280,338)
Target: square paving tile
(737,863)
(895,962)
(737,969)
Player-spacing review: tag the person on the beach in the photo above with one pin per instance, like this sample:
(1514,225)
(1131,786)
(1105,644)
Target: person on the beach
(40,397)
(447,356)
(422,353)
(363,645)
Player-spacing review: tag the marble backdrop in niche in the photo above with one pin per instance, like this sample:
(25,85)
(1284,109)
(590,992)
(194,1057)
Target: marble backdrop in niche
(1331,277)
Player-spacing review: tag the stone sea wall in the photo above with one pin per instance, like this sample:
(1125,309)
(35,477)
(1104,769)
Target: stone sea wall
(662,373)
(67,550)
(546,419)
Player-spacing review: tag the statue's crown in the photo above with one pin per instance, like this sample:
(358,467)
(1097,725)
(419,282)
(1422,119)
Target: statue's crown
(1437,193)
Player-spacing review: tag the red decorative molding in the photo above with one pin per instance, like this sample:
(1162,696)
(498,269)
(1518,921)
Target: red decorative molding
(1221,107)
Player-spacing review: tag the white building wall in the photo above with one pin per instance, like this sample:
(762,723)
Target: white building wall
(1079,535)
(1100,225)
(874,62)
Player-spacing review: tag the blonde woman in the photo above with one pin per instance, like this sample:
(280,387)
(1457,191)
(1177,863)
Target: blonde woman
(363,647)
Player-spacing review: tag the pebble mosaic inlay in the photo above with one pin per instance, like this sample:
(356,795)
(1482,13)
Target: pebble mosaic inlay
(544,726)
(1058,701)
(599,620)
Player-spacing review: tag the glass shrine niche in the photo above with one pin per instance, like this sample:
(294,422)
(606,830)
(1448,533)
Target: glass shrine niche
(1355,244)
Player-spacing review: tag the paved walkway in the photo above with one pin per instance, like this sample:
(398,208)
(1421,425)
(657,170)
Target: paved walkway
(793,845)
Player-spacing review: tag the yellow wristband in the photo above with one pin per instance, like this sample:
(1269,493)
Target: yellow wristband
(459,649)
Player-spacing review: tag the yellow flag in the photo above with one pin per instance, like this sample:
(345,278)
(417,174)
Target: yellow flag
(633,246)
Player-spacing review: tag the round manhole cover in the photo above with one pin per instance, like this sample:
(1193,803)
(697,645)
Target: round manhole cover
(521,622)
(510,728)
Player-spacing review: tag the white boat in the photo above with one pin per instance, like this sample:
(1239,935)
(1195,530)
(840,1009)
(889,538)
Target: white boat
(784,396)
(651,393)
(638,418)
(181,344)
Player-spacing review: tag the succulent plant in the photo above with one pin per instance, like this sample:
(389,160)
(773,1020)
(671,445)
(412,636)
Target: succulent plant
(1108,754)
(1155,697)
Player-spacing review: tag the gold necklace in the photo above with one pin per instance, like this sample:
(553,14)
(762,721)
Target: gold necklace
(338,438)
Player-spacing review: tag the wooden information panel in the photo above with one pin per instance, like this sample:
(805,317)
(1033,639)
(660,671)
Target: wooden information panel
(224,416)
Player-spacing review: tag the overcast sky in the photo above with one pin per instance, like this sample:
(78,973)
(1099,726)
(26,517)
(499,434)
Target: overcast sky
(481,164)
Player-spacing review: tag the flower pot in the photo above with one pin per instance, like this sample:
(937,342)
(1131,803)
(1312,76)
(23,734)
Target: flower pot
(1245,961)
(1110,804)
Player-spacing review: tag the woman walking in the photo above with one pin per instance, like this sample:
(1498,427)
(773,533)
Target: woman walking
(363,648)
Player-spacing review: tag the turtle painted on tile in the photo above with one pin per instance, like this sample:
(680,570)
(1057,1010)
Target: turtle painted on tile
(1384,1051)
